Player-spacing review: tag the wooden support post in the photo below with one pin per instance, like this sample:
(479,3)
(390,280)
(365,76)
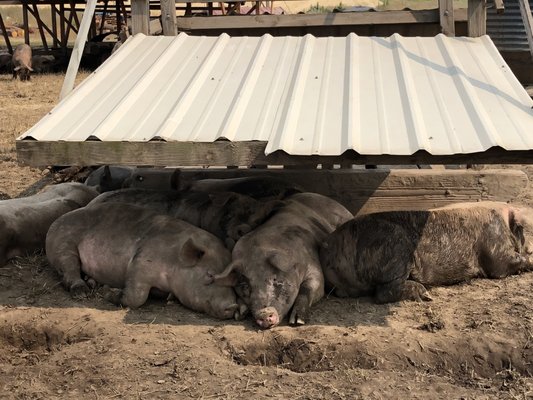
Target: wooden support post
(525,10)
(62,25)
(477,18)
(75,16)
(102,22)
(77,51)
(447,22)
(40,24)
(119,17)
(168,17)
(53,16)
(6,37)
(140,16)
(26,23)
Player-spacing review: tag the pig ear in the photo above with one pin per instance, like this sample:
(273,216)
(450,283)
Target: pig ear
(228,277)
(281,262)
(191,254)
(221,199)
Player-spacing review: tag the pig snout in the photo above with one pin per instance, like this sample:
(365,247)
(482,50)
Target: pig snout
(267,317)
(225,310)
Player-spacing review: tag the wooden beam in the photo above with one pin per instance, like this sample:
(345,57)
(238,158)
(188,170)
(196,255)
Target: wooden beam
(366,191)
(6,37)
(303,20)
(77,51)
(525,10)
(39,153)
(53,17)
(140,16)
(447,22)
(168,17)
(25,22)
(477,18)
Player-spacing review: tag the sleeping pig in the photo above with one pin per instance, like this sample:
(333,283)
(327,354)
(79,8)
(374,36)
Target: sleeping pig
(395,255)
(25,221)
(276,268)
(136,250)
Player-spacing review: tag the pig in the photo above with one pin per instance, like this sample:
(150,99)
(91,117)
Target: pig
(107,178)
(136,249)
(153,178)
(25,221)
(396,255)
(226,215)
(21,61)
(276,266)
(258,187)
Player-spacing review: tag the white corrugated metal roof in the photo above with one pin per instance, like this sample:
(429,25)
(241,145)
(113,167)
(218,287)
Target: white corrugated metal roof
(303,95)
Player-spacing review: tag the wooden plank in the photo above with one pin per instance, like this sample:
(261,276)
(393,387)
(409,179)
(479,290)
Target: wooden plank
(365,191)
(41,153)
(302,20)
(525,11)
(477,18)
(77,51)
(168,17)
(140,16)
(447,21)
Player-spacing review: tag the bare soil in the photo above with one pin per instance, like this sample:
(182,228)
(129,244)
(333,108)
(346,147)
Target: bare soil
(474,341)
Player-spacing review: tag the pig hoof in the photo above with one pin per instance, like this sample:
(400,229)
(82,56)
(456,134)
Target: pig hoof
(112,295)
(424,296)
(241,312)
(79,290)
(91,283)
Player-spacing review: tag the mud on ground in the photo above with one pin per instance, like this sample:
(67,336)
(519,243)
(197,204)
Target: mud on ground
(474,341)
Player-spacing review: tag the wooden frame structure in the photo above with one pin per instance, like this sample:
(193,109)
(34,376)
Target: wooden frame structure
(65,20)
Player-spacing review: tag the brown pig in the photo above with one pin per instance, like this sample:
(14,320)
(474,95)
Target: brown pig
(25,221)
(276,267)
(136,250)
(395,255)
(21,61)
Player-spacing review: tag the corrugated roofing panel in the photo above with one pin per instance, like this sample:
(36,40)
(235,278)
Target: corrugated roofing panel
(303,95)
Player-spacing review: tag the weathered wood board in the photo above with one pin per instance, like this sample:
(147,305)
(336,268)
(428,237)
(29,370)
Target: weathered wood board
(200,154)
(365,191)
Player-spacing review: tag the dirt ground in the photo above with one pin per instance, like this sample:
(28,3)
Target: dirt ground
(474,341)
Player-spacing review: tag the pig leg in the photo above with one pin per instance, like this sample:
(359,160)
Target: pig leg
(401,289)
(69,266)
(311,290)
(137,286)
